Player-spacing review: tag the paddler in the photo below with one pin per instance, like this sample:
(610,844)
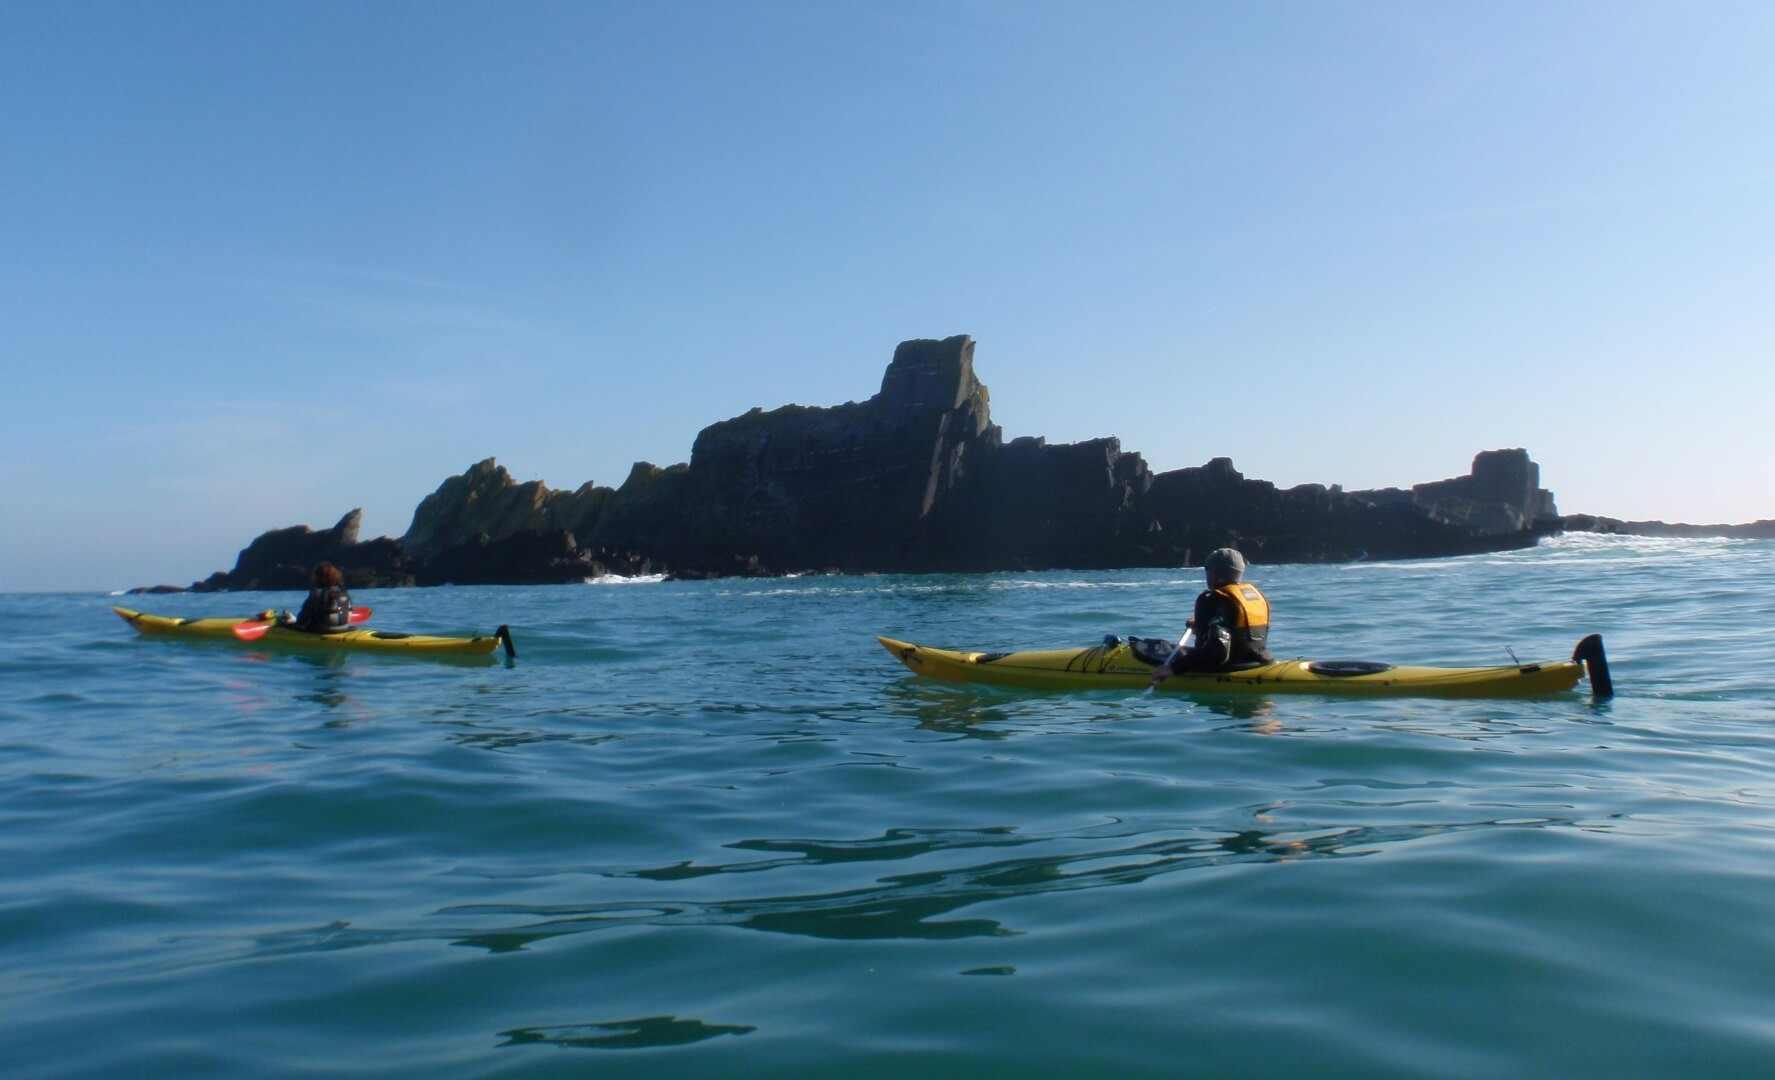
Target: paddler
(328,607)
(1231,623)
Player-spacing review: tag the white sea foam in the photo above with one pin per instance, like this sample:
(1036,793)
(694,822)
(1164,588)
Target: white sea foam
(1588,542)
(1403,566)
(618,579)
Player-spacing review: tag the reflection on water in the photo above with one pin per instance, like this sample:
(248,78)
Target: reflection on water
(910,906)
(992,712)
(511,739)
(624,1034)
(330,694)
(1254,714)
(893,844)
(953,709)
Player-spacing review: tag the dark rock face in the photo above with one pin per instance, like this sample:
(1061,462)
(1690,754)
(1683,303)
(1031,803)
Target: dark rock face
(1502,494)
(1026,505)
(1201,509)
(856,487)
(916,478)
(485,505)
(282,559)
(522,558)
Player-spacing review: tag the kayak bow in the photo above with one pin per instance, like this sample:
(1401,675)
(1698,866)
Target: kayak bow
(378,641)
(1114,665)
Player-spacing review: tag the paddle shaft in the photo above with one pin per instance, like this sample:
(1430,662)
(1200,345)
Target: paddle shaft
(255,629)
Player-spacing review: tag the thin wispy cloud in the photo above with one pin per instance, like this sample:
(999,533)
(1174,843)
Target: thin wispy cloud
(375,299)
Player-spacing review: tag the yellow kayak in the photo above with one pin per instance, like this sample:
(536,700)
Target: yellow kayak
(379,641)
(1114,665)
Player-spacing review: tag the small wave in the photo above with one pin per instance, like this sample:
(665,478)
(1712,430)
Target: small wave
(1406,566)
(618,579)
(1631,541)
(1088,584)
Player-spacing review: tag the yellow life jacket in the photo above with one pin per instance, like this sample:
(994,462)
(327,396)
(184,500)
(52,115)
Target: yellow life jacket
(1254,610)
(1251,629)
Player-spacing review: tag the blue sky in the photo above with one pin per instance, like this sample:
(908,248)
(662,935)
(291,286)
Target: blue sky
(264,263)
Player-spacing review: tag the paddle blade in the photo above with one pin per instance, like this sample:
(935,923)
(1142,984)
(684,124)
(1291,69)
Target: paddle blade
(360,615)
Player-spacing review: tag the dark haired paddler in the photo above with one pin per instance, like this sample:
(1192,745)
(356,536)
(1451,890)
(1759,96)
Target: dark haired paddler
(1231,622)
(328,607)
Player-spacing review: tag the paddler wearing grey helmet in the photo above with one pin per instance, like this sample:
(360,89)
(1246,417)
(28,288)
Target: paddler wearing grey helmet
(1231,622)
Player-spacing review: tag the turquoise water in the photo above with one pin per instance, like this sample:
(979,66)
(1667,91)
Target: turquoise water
(712,828)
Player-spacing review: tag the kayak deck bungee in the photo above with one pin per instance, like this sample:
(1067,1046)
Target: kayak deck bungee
(377,641)
(1114,665)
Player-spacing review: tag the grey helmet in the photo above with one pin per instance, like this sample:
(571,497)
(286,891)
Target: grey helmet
(1225,566)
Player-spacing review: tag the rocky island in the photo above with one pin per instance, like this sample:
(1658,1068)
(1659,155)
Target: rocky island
(915,479)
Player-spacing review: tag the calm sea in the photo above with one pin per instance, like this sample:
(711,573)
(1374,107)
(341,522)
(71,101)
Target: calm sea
(713,829)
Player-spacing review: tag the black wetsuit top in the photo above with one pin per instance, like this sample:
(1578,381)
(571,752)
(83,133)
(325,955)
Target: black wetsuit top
(326,611)
(1226,635)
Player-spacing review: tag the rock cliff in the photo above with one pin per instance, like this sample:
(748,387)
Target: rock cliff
(282,558)
(916,478)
